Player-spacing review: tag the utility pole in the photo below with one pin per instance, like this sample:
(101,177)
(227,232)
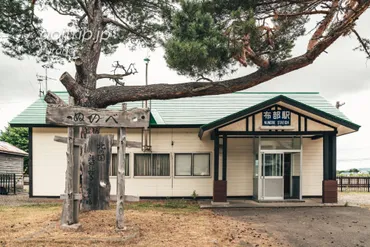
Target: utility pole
(147,131)
(41,92)
(45,78)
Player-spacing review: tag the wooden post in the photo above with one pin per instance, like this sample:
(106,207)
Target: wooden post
(67,213)
(121,150)
(76,175)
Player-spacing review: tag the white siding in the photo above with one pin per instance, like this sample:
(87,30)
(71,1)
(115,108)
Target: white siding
(312,167)
(240,167)
(49,163)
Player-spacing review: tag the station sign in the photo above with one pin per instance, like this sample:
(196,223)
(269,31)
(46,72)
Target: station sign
(276,118)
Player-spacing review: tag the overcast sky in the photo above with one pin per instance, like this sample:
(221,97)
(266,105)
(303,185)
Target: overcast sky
(339,75)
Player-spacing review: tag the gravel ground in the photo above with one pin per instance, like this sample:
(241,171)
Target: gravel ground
(313,227)
(355,198)
(22,199)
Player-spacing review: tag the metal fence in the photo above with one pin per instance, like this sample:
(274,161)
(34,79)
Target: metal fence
(361,184)
(7,183)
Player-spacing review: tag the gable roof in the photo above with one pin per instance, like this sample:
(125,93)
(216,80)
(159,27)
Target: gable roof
(8,148)
(326,112)
(197,111)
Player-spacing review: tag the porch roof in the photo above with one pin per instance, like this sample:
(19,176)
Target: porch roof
(327,112)
(204,112)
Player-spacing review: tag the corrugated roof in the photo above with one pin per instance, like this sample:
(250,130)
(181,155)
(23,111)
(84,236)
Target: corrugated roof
(192,111)
(10,149)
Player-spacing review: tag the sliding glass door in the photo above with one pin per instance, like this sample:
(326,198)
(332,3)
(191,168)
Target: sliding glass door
(272,175)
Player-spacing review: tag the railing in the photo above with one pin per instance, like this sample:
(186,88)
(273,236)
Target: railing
(7,182)
(360,184)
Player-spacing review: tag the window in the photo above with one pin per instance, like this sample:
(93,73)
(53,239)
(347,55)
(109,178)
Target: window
(183,164)
(272,165)
(114,165)
(192,164)
(152,165)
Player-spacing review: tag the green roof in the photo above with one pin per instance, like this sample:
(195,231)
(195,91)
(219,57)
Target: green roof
(195,111)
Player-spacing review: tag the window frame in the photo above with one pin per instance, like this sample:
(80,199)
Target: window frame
(111,166)
(151,160)
(192,166)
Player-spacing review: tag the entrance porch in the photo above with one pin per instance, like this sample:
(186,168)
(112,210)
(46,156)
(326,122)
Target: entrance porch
(289,152)
(275,168)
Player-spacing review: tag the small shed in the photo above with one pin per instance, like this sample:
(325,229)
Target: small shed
(11,162)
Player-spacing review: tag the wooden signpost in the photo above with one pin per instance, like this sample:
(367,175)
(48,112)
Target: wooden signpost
(91,117)
(96,160)
(95,156)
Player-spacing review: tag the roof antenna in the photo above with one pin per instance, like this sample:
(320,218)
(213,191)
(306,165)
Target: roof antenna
(338,104)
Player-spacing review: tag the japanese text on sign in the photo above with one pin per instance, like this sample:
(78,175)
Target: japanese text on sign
(276,118)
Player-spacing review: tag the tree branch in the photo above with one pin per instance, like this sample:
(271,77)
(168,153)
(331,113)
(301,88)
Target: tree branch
(314,12)
(323,26)
(107,20)
(74,89)
(105,96)
(364,46)
(83,6)
(113,77)
(54,99)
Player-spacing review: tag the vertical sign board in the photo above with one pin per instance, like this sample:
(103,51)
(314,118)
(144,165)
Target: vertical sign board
(276,118)
(96,161)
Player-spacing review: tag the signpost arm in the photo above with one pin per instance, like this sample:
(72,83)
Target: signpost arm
(121,150)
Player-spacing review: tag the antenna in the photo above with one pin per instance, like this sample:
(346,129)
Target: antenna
(338,104)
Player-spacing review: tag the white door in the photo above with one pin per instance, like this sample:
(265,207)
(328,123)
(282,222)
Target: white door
(272,176)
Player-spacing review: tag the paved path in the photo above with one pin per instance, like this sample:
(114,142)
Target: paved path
(329,226)
(355,198)
(23,199)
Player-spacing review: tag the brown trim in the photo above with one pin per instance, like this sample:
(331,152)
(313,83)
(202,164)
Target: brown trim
(30,163)
(329,191)
(220,191)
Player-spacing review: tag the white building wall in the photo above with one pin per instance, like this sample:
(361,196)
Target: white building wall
(49,164)
(240,167)
(312,167)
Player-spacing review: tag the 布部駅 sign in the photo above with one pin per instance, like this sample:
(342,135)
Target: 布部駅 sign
(276,118)
(90,117)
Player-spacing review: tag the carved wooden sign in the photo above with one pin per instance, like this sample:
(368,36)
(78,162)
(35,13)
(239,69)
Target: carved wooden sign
(91,117)
(96,160)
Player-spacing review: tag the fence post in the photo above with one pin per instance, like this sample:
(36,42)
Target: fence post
(15,185)
(368,184)
(341,184)
(8,182)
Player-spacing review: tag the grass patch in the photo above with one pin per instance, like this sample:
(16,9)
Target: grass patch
(169,204)
(41,205)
